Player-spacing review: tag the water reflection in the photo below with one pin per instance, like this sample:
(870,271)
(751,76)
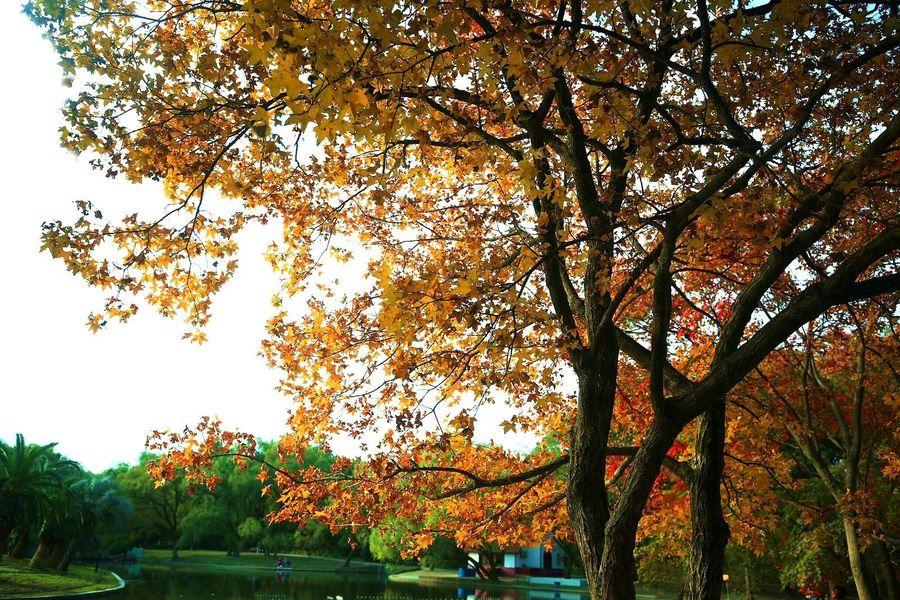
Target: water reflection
(165,583)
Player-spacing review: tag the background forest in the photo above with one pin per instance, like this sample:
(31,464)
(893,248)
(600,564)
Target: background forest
(55,511)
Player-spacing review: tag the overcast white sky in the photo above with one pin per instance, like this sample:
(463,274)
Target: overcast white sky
(99,395)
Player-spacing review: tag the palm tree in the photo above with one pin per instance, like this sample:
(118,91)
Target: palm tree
(24,533)
(104,506)
(65,511)
(30,475)
(76,515)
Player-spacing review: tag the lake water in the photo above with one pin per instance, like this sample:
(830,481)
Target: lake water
(165,583)
(157,582)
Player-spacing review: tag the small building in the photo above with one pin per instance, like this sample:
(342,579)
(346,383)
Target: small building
(527,560)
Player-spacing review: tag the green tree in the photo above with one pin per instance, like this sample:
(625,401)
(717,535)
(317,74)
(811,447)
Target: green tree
(159,512)
(237,497)
(76,519)
(30,476)
(444,554)
(251,532)
(208,526)
(278,538)
(384,544)
(315,539)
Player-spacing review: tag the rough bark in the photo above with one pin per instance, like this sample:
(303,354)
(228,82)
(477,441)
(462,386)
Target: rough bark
(617,571)
(587,499)
(709,534)
(857,569)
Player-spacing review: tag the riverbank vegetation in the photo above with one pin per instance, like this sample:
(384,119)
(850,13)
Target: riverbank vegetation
(17,578)
(254,560)
(54,511)
(66,513)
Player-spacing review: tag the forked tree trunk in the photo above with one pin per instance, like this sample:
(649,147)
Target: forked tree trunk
(857,569)
(617,569)
(586,498)
(709,531)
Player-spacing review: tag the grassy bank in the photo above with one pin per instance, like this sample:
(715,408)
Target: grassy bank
(17,580)
(218,558)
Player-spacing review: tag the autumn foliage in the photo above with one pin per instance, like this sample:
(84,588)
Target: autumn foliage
(609,220)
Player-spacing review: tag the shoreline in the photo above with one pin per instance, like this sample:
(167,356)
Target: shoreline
(251,562)
(74,595)
(180,564)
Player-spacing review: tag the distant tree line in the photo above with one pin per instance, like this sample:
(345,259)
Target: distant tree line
(52,510)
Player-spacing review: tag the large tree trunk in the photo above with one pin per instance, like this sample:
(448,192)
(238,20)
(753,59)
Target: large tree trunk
(617,570)
(5,531)
(857,569)
(586,496)
(42,554)
(10,516)
(66,559)
(709,531)
(56,555)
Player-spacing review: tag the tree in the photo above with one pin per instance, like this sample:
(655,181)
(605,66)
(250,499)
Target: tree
(75,518)
(30,477)
(108,511)
(385,544)
(550,196)
(235,497)
(443,554)
(315,539)
(208,525)
(278,539)
(251,532)
(825,404)
(160,510)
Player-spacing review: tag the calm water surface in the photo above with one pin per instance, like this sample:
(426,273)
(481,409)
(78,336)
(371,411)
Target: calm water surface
(156,582)
(166,583)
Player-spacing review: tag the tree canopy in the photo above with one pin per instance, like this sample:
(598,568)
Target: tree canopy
(603,215)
